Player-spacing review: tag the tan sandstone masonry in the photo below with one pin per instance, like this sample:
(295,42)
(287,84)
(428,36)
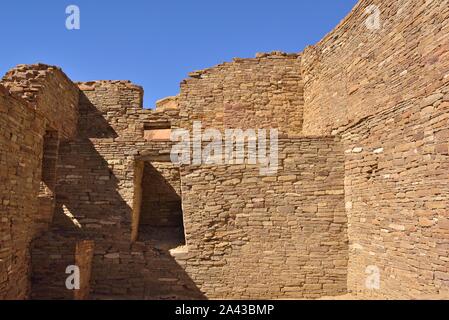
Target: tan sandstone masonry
(265,92)
(96,189)
(25,118)
(386,92)
(374,194)
(355,72)
(50,91)
(225,214)
(96,186)
(280,236)
(52,254)
(397,196)
(21,135)
(161,205)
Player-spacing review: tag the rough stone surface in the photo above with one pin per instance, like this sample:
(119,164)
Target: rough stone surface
(264,92)
(362,182)
(251,236)
(383,92)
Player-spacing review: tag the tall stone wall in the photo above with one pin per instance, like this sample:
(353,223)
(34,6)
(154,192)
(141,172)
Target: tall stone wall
(280,236)
(355,72)
(49,90)
(34,99)
(385,91)
(21,139)
(250,236)
(96,170)
(265,92)
(397,197)
(96,187)
(366,194)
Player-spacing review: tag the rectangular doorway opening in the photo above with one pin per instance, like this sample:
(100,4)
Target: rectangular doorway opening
(161,217)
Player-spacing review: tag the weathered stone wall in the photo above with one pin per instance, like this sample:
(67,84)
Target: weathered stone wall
(49,90)
(139,271)
(265,92)
(355,72)
(225,214)
(397,197)
(281,236)
(96,170)
(384,91)
(96,187)
(372,196)
(34,99)
(21,139)
(96,190)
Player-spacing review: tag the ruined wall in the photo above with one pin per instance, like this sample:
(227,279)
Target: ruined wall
(379,186)
(96,190)
(21,137)
(385,91)
(49,90)
(33,99)
(251,236)
(265,92)
(280,236)
(355,72)
(96,170)
(397,197)
(96,187)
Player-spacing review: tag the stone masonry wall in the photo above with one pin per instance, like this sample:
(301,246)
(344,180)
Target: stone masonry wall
(30,97)
(265,92)
(21,138)
(51,91)
(96,190)
(280,236)
(362,183)
(52,254)
(355,72)
(96,170)
(384,91)
(397,197)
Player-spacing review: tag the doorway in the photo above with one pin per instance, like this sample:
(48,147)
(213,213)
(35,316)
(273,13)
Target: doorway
(160,216)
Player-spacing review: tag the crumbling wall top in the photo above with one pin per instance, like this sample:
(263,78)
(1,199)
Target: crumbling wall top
(259,57)
(49,91)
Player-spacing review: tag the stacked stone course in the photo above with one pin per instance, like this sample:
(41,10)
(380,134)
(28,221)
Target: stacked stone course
(27,94)
(281,236)
(261,93)
(385,92)
(362,180)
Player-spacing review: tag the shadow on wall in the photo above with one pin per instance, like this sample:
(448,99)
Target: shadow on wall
(89,204)
(91,121)
(161,220)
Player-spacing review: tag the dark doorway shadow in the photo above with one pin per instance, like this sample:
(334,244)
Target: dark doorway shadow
(161,220)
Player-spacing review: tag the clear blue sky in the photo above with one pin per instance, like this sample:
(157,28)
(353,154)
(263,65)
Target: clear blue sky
(157,43)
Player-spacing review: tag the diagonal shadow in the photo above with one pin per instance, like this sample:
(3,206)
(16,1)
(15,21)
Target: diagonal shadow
(89,205)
